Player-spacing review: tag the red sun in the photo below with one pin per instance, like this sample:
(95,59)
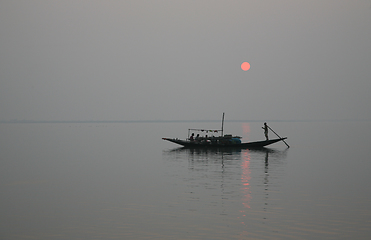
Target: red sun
(245,66)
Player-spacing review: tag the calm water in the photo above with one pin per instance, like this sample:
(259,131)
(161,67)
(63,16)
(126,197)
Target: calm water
(121,181)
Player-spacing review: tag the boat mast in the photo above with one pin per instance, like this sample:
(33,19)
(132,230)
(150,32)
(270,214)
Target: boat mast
(223,125)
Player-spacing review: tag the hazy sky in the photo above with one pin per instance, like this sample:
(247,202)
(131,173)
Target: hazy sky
(150,60)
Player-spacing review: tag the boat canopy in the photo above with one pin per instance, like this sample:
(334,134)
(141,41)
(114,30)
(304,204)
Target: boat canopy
(205,130)
(209,130)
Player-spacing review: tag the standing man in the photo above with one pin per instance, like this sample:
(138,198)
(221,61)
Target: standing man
(265,127)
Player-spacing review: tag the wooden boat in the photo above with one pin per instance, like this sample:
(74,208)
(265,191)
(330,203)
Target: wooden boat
(222,141)
(209,144)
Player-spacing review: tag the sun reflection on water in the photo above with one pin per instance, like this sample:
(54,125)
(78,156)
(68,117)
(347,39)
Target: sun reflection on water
(245,166)
(245,178)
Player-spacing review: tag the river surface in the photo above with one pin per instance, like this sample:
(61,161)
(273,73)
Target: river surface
(121,181)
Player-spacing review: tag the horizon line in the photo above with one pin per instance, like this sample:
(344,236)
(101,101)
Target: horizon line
(179,121)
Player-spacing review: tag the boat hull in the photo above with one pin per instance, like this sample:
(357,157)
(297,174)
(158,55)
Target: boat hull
(258,144)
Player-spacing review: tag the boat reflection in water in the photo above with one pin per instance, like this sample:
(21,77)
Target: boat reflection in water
(232,183)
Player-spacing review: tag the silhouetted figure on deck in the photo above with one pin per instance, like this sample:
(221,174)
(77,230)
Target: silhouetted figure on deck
(198,137)
(265,127)
(191,138)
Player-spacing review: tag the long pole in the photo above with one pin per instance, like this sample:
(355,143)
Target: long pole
(223,125)
(278,135)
